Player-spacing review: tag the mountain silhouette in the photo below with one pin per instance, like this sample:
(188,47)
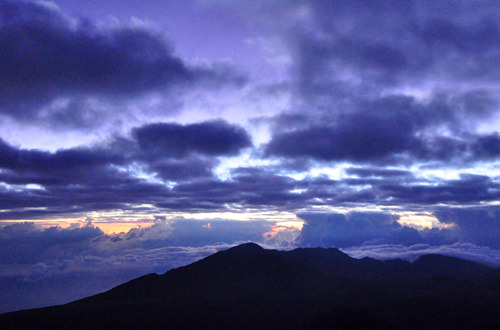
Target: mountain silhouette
(248,287)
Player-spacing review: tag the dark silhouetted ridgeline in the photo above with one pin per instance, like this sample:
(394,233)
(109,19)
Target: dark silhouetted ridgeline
(248,287)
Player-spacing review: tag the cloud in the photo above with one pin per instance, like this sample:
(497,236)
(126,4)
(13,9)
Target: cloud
(348,105)
(123,173)
(184,169)
(68,160)
(248,188)
(354,228)
(32,255)
(479,225)
(467,189)
(396,44)
(391,131)
(359,232)
(86,247)
(65,264)
(389,84)
(27,243)
(108,175)
(37,253)
(56,68)
(68,276)
(46,55)
(468,251)
(213,138)
(374,172)
(463,37)
(356,139)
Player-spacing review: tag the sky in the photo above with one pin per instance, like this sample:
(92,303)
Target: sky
(140,136)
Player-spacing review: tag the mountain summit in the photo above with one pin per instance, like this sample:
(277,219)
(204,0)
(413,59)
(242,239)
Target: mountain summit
(248,287)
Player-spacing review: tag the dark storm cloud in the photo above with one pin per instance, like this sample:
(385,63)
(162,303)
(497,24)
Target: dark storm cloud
(46,56)
(213,138)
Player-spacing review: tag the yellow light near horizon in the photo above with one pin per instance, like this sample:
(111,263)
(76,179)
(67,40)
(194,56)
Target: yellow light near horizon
(113,228)
(421,222)
(62,223)
(108,228)
(296,224)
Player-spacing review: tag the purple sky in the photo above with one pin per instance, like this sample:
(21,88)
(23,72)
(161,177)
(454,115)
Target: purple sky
(195,125)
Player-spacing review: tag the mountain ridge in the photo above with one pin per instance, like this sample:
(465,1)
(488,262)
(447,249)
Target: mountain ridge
(249,287)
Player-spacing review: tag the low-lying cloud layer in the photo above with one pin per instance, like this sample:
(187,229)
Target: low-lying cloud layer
(467,251)
(447,226)
(92,261)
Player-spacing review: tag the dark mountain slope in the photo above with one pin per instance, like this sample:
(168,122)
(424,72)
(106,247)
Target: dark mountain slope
(248,287)
(433,264)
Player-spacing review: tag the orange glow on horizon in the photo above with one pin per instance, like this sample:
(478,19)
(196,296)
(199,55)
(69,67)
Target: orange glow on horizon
(113,228)
(108,228)
(283,226)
